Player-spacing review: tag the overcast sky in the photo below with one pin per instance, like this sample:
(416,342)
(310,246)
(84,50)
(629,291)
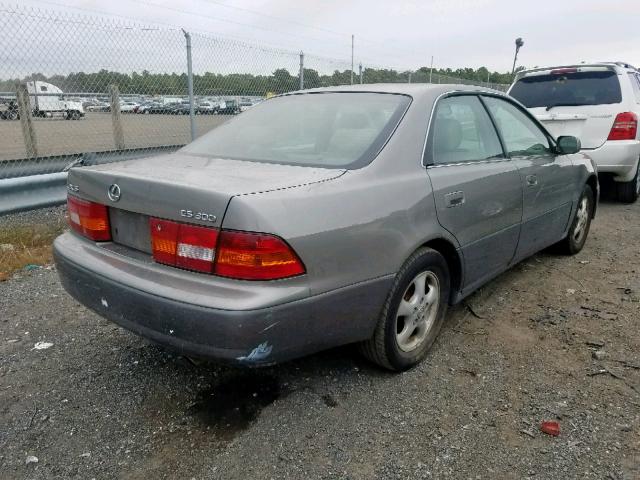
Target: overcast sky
(405,33)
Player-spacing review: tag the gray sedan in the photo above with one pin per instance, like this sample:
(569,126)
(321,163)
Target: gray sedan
(322,218)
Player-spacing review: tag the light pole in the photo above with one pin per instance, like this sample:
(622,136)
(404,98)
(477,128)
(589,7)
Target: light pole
(519,43)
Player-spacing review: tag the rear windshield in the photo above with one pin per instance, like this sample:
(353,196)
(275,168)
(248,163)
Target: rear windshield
(332,130)
(568,89)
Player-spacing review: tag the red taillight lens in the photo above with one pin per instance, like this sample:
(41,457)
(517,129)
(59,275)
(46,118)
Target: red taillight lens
(89,219)
(181,245)
(233,254)
(624,127)
(255,256)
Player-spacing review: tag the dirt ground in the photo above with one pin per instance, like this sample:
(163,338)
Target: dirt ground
(555,338)
(94,133)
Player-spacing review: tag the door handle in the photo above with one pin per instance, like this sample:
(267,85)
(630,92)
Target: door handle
(454,199)
(532,180)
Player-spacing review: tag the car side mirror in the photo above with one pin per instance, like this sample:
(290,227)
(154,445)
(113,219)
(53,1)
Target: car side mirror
(568,144)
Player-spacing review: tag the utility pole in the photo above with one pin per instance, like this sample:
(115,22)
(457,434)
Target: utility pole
(431,70)
(409,80)
(301,70)
(192,116)
(352,41)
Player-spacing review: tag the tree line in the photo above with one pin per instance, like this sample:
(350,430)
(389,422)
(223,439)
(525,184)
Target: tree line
(281,80)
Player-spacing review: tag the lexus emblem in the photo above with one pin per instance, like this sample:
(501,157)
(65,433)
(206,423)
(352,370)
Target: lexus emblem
(114,193)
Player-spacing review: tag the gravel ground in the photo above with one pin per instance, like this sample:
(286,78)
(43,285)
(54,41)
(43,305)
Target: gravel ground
(102,403)
(52,216)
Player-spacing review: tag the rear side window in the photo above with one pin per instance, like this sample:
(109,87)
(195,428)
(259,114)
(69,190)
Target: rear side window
(463,132)
(521,136)
(634,78)
(568,89)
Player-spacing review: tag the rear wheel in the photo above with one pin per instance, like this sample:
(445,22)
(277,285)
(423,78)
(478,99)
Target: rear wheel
(628,192)
(579,229)
(413,313)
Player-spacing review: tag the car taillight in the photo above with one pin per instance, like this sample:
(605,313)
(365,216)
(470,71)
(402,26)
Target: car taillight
(562,71)
(255,256)
(89,219)
(227,253)
(182,245)
(624,127)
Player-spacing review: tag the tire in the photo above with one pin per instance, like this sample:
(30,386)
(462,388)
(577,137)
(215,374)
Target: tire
(402,341)
(628,192)
(575,240)
(12,115)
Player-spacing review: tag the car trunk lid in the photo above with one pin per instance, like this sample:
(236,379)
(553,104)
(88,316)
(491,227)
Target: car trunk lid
(181,187)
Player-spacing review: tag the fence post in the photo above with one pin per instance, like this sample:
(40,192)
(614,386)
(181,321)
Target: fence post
(26,122)
(301,70)
(192,120)
(116,119)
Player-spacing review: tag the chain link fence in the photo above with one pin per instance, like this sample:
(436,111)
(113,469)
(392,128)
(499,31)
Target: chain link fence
(78,89)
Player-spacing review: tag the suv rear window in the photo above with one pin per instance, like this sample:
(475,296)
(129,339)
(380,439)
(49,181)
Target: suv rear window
(568,89)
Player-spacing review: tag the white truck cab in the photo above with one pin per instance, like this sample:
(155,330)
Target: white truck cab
(600,104)
(46,101)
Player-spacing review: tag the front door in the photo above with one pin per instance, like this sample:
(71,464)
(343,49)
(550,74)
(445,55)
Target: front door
(477,190)
(547,178)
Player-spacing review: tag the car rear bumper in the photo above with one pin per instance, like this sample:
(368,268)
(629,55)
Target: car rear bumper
(617,157)
(257,336)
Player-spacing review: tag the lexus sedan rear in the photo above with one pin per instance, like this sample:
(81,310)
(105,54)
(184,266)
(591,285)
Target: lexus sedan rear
(322,218)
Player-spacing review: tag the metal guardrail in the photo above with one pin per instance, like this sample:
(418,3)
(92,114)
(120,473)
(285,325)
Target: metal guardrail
(25,186)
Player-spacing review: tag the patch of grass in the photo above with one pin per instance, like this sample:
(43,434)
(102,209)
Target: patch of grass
(26,245)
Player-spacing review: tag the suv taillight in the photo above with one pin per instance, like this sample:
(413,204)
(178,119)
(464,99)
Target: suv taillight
(232,254)
(89,219)
(624,127)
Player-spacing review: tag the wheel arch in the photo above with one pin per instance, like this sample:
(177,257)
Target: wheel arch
(592,182)
(454,261)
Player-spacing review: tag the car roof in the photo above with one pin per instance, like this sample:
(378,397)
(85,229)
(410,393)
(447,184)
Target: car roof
(411,89)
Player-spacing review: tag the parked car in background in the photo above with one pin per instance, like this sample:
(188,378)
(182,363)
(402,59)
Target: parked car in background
(600,104)
(357,216)
(128,107)
(179,109)
(146,107)
(9,109)
(158,108)
(245,104)
(227,107)
(206,108)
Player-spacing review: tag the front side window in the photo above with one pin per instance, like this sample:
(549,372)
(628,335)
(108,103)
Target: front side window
(330,130)
(521,136)
(463,132)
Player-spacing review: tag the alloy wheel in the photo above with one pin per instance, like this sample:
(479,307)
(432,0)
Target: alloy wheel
(417,311)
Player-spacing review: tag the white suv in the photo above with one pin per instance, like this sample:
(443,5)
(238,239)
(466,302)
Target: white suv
(599,103)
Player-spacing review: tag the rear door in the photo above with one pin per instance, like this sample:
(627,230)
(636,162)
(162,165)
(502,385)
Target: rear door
(578,101)
(548,180)
(477,190)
